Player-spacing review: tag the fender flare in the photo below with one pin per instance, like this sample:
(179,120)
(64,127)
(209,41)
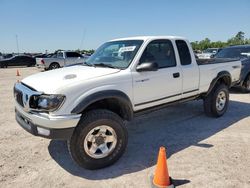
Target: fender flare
(223,74)
(106,94)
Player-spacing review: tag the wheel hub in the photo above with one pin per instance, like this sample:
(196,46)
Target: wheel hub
(221,101)
(100,141)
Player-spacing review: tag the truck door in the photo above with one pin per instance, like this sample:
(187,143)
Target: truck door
(61,57)
(190,69)
(72,58)
(157,87)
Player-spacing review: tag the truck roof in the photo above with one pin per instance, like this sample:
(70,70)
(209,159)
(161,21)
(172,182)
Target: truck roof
(150,37)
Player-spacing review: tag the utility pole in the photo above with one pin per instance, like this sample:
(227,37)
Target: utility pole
(17,44)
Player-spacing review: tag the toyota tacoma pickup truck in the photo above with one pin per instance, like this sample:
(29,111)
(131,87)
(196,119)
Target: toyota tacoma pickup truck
(60,59)
(89,105)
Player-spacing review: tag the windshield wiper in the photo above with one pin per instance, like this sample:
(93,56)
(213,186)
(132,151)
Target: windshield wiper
(105,65)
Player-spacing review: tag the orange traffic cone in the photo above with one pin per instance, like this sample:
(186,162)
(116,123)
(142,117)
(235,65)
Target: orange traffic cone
(161,177)
(17,73)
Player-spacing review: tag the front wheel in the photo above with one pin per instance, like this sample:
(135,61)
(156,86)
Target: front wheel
(216,103)
(4,65)
(99,140)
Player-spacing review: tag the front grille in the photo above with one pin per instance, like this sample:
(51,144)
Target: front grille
(18,96)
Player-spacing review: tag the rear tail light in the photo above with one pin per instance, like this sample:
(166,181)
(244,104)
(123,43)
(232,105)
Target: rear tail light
(42,61)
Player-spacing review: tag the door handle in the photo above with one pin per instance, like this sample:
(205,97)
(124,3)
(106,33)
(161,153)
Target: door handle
(176,75)
(143,80)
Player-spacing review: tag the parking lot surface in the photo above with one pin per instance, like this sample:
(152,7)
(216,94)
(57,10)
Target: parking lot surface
(202,151)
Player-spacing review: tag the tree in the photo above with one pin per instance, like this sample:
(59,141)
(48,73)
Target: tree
(238,39)
(240,36)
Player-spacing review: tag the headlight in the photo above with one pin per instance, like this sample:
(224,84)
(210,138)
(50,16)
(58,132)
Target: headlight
(47,102)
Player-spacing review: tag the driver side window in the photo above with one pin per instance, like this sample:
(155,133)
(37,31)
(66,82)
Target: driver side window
(160,52)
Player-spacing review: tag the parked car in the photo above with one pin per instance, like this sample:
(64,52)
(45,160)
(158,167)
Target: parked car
(20,60)
(60,59)
(89,104)
(241,52)
(208,53)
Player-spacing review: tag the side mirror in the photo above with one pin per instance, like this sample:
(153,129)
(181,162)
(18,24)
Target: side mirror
(147,66)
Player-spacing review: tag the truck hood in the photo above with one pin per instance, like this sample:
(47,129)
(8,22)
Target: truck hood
(50,81)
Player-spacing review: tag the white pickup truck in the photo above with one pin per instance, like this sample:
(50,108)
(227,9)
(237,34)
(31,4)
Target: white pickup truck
(89,104)
(60,59)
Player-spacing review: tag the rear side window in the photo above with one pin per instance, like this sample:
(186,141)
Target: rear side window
(59,55)
(184,52)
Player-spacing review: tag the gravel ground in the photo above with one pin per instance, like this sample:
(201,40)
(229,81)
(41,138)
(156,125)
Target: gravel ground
(202,151)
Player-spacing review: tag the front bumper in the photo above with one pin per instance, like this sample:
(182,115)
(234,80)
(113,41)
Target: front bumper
(52,127)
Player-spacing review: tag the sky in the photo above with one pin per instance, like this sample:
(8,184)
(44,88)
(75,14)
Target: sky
(40,25)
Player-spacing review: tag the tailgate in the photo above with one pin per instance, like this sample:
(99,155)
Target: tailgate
(39,61)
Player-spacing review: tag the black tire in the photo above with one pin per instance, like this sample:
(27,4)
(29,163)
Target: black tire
(54,66)
(31,64)
(210,101)
(246,84)
(88,122)
(4,65)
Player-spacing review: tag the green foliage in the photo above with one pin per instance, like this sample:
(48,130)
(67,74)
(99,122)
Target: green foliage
(88,52)
(238,39)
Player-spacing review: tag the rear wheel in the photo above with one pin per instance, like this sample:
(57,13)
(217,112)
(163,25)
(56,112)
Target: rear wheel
(54,66)
(246,84)
(99,140)
(216,103)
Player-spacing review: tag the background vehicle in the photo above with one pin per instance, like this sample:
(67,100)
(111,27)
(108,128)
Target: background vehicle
(60,59)
(241,52)
(208,53)
(20,60)
(89,104)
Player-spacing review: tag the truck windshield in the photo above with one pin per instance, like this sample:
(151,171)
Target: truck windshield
(116,54)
